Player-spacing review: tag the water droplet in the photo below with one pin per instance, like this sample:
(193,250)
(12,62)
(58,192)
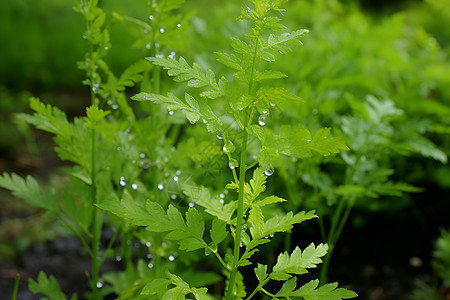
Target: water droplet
(99,285)
(173,197)
(171,258)
(106,48)
(178,172)
(119,258)
(145,163)
(147,46)
(149,256)
(271,235)
(191,204)
(151,17)
(84,37)
(146,31)
(137,245)
(122,181)
(142,155)
(178,25)
(171,113)
(228,267)
(162,29)
(172,54)
(244,227)
(272,104)
(228,146)
(115,106)
(133,161)
(160,187)
(134,186)
(207,252)
(148,244)
(160,55)
(222,201)
(204,121)
(262,119)
(175,178)
(220,135)
(150,265)
(233,163)
(222,195)
(308,141)
(268,170)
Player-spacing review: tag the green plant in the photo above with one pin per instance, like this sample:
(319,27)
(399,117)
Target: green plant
(438,289)
(121,168)
(250,103)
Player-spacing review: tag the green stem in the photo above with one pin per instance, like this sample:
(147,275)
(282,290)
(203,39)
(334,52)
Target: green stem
(16,287)
(240,213)
(331,240)
(96,224)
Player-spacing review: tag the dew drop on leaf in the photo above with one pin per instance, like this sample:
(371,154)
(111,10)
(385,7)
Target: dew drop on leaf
(148,244)
(178,172)
(222,195)
(175,178)
(222,201)
(99,285)
(271,235)
(191,204)
(134,186)
(220,135)
(122,181)
(268,170)
(151,17)
(262,118)
(147,46)
(160,187)
(114,106)
(150,265)
(162,29)
(173,197)
(228,146)
(171,258)
(233,163)
(118,258)
(171,113)
(178,25)
(207,252)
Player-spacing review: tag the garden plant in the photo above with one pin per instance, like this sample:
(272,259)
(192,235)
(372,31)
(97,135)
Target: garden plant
(105,146)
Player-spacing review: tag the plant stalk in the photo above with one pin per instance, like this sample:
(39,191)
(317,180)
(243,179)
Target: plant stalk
(240,214)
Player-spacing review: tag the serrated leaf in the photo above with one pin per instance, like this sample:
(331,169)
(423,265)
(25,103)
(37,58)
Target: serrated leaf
(212,205)
(229,60)
(269,74)
(218,231)
(282,223)
(298,261)
(156,286)
(241,47)
(268,200)
(29,190)
(47,286)
(312,291)
(183,72)
(324,145)
(256,218)
(261,272)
